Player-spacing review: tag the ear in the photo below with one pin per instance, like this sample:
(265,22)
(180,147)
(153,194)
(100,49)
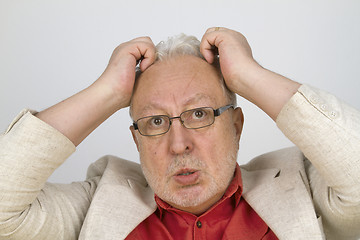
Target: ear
(134,136)
(238,120)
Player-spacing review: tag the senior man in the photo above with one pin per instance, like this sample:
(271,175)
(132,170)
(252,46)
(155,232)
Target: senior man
(187,130)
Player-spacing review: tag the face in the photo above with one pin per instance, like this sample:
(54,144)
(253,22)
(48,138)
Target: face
(188,168)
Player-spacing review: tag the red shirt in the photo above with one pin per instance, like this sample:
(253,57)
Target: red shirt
(230,218)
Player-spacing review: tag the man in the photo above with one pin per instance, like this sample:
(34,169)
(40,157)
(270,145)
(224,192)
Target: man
(187,129)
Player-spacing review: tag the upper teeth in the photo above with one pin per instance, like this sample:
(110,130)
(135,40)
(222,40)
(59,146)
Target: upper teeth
(185,174)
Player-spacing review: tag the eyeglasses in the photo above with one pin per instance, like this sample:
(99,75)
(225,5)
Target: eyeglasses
(191,119)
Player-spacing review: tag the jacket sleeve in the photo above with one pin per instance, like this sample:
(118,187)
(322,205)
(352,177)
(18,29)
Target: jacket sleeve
(30,208)
(328,133)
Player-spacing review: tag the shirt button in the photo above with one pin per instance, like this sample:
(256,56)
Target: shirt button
(198,224)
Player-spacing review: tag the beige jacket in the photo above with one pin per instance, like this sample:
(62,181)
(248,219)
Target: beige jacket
(296,198)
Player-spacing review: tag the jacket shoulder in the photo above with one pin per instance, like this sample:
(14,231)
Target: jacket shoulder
(287,159)
(116,167)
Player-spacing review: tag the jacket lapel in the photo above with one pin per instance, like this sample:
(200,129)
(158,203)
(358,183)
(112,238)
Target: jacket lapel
(283,202)
(122,201)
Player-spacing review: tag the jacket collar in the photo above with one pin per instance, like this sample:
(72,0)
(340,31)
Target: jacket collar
(122,200)
(283,202)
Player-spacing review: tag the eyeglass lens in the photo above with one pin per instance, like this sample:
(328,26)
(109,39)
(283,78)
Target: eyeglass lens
(159,124)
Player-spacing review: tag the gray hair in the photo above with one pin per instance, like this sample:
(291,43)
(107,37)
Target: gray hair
(177,46)
(181,45)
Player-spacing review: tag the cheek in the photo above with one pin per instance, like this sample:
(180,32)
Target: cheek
(150,157)
(223,142)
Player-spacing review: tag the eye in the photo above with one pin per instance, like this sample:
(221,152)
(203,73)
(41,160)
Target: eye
(156,121)
(198,114)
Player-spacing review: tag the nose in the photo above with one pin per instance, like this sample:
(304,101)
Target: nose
(180,139)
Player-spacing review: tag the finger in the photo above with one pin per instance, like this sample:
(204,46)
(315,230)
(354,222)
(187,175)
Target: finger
(206,49)
(143,50)
(209,42)
(213,29)
(142,39)
(148,57)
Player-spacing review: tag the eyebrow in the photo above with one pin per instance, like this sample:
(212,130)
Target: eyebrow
(191,101)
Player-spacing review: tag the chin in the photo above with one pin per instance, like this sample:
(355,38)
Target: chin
(189,196)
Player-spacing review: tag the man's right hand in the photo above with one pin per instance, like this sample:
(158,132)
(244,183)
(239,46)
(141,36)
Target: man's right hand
(119,76)
(77,116)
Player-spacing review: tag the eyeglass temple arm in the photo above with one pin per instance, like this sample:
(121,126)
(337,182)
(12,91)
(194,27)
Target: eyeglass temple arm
(219,111)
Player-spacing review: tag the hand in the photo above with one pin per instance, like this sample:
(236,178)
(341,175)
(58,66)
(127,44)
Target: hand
(119,75)
(243,75)
(77,116)
(236,60)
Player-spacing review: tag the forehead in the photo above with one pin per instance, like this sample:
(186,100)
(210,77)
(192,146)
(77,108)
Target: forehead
(177,84)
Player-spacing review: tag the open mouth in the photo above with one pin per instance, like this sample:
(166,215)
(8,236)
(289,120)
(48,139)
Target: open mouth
(187,176)
(185,172)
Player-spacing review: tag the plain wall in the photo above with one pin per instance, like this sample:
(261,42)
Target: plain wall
(50,50)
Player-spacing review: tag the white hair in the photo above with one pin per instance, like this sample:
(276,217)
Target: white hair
(181,45)
(177,46)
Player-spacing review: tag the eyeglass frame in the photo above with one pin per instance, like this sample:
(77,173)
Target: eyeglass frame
(217,112)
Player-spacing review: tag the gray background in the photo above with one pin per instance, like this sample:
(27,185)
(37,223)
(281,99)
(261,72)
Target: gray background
(50,50)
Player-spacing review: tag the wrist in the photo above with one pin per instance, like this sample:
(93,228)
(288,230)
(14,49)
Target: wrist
(111,97)
(248,79)
(266,89)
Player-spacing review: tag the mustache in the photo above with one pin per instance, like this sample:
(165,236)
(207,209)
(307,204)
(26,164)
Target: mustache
(184,161)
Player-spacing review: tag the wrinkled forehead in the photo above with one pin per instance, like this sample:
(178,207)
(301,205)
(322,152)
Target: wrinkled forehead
(177,83)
